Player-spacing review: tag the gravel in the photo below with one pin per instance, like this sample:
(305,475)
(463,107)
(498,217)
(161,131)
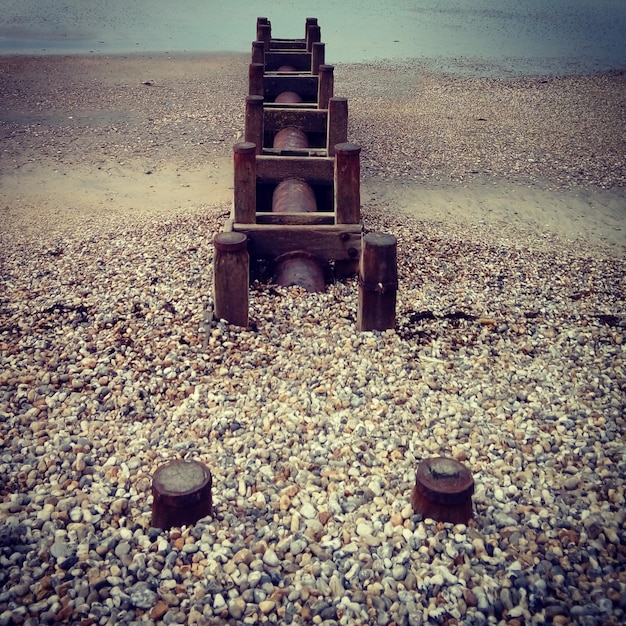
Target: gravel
(508,355)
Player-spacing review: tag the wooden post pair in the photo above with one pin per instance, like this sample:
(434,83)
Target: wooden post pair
(347,199)
(336,121)
(325,82)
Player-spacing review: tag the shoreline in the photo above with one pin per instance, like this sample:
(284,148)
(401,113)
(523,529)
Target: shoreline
(533,152)
(507,355)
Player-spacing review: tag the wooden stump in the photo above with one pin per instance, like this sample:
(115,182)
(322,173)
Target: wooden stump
(325,85)
(443,490)
(254,122)
(182,494)
(318,56)
(231,277)
(378,282)
(347,183)
(244,167)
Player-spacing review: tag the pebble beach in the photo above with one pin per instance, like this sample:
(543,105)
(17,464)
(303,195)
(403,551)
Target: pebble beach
(508,355)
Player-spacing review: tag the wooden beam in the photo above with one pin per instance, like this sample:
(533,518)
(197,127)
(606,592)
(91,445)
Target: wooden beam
(326,242)
(315,170)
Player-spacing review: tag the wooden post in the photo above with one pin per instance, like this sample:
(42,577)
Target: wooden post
(325,86)
(310,21)
(181,493)
(244,165)
(314,34)
(443,490)
(347,183)
(254,122)
(317,57)
(378,282)
(255,79)
(258,52)
(337,131)
(231,277)
(264,34)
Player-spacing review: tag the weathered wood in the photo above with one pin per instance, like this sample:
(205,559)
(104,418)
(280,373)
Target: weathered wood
(181,493)
(231,272)
(325,86)
(305,85)
(337,126)
(244,165)
(313,35)
(347,183)
(255,79)
(317,57)
(254,122)
(264,34)
(309,120)
(258,52)
(378,282)
(295,219)
(301,61)
(315,170)
(327,242)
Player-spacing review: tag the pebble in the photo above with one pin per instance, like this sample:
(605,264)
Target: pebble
(312,432)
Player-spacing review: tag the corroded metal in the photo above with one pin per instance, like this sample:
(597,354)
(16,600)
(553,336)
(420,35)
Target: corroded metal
(443,490)
(290,138)
(302,269)
(294,196)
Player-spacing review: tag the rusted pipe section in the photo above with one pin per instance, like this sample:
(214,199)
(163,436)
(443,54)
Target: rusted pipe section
(288,97)
(293,195)
(302,269)
(291,138)
(286,68)
(443,490)
(182,494)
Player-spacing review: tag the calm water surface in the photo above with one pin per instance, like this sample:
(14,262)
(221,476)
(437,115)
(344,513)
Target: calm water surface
(470,36)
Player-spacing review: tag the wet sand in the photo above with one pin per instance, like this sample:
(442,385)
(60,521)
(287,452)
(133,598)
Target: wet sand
(107,138)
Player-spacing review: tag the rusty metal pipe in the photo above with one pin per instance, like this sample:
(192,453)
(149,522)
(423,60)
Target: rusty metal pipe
(288,97)
(291,138)
(286,68)
(302,269)
(293,196)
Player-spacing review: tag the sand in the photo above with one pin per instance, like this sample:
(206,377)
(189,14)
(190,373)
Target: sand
(110,138)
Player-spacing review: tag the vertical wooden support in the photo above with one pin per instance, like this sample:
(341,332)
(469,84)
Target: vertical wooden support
(313,35)
(245,182)
(317,57)
(347,183)
(378,282)
(258,52)
(337,131)
(181,493)
(255,79)
(264,34)
(231,277)
(254,122)
(325,86)
(310,21)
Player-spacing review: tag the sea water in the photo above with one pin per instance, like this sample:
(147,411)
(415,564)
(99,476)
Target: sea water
(468,36)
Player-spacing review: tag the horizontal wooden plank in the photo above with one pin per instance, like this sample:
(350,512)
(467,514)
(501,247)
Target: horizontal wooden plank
(318,152)
(306,119)
(292,219)
(327,242)
(314,170)
(304,85)
(301,61)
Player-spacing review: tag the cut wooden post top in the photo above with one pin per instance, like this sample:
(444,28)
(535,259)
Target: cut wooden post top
(244,147)
(230,241)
